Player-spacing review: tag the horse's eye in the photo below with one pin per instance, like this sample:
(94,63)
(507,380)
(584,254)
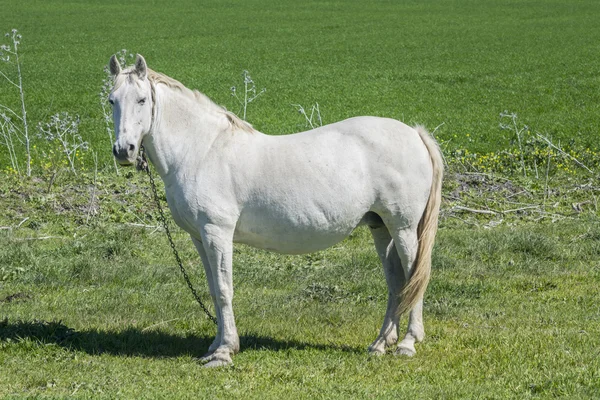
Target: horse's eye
(112,103)
(141,102)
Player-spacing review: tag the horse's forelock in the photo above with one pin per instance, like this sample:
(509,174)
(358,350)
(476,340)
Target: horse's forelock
(128,75)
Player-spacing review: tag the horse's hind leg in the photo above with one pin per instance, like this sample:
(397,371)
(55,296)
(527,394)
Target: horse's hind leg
(406,241)
(415,332)
(394,276)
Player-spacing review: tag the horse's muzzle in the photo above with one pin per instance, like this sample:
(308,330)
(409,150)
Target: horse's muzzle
(125,155)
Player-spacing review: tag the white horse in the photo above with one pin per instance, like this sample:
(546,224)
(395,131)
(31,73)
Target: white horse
(226,182)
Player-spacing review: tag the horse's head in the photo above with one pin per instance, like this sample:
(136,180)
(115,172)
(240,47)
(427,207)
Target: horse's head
(131,100)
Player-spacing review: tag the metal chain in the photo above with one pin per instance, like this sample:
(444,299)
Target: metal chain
(143,165)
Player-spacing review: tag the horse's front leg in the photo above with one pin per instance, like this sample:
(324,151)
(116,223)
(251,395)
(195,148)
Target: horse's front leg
(211,288)
(218,245)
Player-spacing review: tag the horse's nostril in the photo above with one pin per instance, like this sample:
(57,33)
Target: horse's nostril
(131,147)
(115,150)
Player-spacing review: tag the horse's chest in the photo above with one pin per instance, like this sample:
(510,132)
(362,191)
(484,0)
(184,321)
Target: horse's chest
(182,211)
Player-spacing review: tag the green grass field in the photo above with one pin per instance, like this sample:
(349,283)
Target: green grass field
(93,306)
(460,63)
(100,310)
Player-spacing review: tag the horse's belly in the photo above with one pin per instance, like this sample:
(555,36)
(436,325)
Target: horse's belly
(288,236)
(290,244)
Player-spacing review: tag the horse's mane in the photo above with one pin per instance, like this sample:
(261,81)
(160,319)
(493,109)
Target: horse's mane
(202,99)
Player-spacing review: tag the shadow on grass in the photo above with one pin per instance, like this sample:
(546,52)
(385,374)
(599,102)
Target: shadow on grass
(135,342)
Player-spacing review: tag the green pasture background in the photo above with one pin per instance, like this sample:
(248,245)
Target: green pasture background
(93,306)
(460,63)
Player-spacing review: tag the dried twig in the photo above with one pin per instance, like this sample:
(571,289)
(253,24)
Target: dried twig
(143,225)
(487,176)
(154,228)
(41,238)
(21,223)
(464,220)
(159,324)
(93,197)
(521,209)
(518,193)
(546,193)
(475,211)
(10,228)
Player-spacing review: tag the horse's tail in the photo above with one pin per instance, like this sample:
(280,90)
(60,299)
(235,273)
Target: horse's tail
(419,278)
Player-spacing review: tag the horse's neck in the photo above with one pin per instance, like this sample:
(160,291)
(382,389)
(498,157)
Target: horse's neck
(181,129)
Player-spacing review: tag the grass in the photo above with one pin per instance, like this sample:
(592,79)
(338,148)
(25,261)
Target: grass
(460,63)
(100,310)
(92,304)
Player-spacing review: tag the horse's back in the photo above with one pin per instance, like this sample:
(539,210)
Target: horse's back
(381,158)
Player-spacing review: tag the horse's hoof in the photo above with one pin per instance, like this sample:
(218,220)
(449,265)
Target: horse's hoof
(376,351)
(216,359)
(405,351)
(216,363)
(391,340)
(205,358)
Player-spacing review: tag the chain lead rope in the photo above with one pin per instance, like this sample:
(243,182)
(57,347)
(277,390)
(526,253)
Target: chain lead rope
(143,165)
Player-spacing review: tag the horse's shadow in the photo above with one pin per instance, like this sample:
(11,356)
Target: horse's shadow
(139,343)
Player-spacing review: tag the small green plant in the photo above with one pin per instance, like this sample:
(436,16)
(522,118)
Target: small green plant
(13,125)
(64,141)
(314,119)
(534,155)
(518,131)
(8,137)
(250,94)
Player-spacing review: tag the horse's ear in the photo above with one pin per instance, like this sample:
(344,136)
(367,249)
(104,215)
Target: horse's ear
(141,69)
(115,67)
